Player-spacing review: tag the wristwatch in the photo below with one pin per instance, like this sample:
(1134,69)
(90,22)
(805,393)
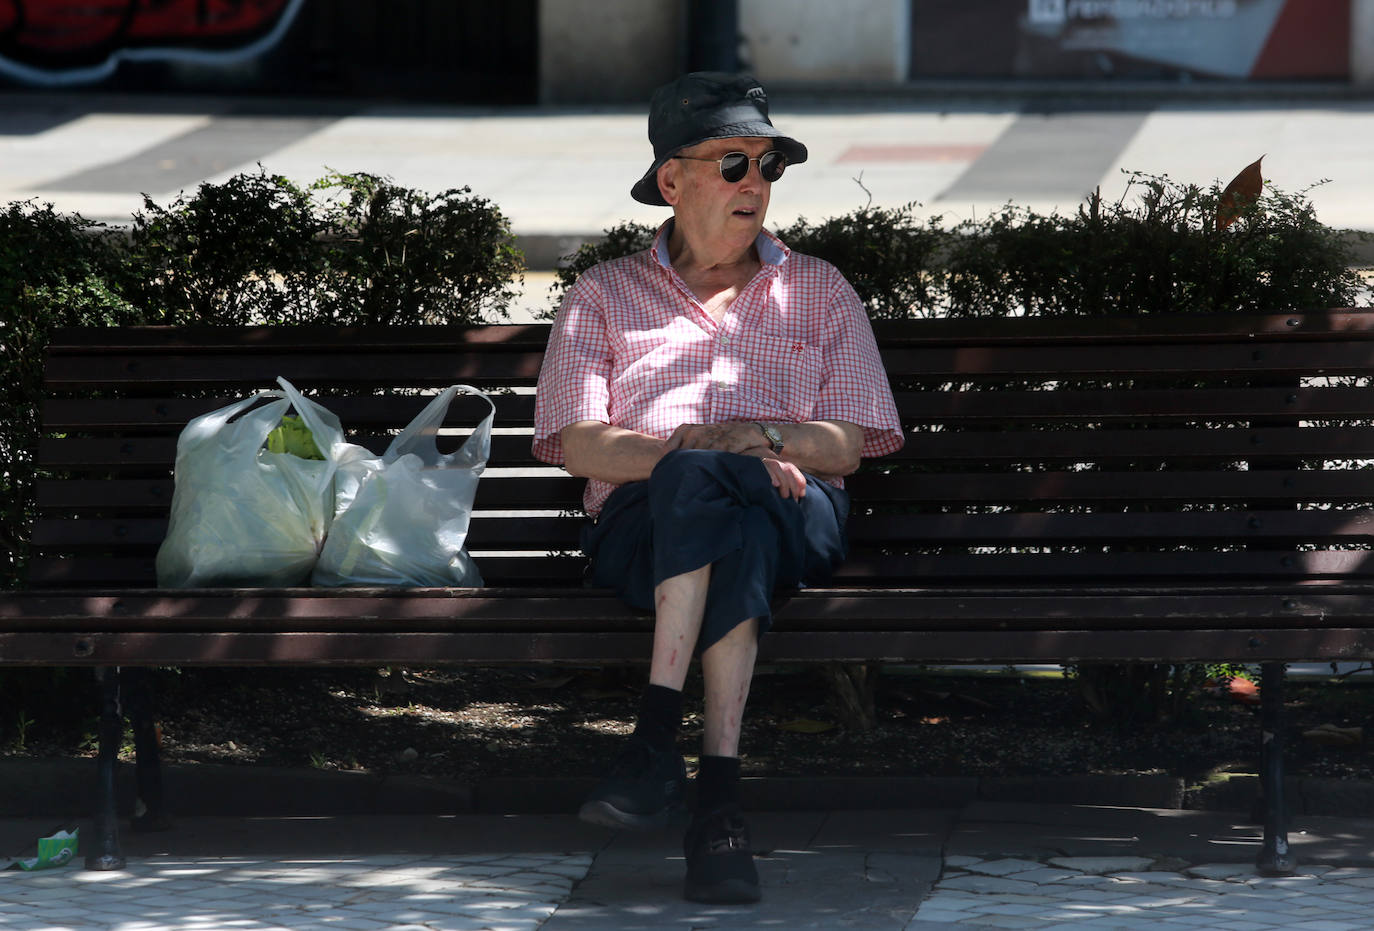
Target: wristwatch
(771,434)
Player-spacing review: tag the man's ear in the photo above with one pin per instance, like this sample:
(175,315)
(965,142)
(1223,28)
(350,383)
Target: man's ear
(670,181)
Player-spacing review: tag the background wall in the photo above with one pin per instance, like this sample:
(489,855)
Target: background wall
(1362,43)
(608,51)
(820,41)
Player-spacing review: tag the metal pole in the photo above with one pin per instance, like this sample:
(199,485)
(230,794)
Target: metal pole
(1275,858)
(713,35)
(107,855)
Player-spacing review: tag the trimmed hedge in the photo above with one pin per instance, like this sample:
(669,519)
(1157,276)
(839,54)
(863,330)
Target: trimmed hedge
(1156,250)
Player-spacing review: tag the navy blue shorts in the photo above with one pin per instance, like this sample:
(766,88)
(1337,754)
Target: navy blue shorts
(703,507)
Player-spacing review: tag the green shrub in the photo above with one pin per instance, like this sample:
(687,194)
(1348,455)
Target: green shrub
(1158,253)
(890,257)
(55,270)
(234,253)
(399,256)
(259,249)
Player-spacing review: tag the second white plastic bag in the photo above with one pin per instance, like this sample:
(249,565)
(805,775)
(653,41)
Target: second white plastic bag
(403,519)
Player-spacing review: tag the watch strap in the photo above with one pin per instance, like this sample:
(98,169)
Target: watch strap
(771,434)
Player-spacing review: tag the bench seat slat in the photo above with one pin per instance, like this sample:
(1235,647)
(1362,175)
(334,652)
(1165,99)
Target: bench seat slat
(62,497)
(171,414)
(169,648)
(1220,444)
(864,566)
(541,533)
(946,407)
(139,571)
(1284,605)
(306,372)
(191,340)
(130,496)
(544,533)
(1157,361)
(1346,323)
(498,491)
(517,410)
(138,453)
(1011,407)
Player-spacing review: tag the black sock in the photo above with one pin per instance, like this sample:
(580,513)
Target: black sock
(660,713)
(717,782)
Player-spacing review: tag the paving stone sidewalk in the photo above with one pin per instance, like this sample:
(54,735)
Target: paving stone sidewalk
(462,893)
(1134,894)
(974,867)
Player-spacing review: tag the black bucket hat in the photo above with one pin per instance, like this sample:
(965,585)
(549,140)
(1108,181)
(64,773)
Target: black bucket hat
(707,105)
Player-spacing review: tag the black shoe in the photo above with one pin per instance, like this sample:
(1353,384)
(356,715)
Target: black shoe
(642,790)
(720,860)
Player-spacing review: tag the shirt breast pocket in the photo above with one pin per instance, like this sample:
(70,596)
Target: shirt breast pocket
(782,376)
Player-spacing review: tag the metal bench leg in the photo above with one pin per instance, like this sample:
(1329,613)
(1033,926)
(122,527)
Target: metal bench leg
(107,855)
(151,811)
(1275,858)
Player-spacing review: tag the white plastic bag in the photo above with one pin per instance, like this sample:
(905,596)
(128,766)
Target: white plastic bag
(403,519)
(243,516)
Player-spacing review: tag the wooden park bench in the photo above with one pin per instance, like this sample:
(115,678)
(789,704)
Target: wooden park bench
(1162,489)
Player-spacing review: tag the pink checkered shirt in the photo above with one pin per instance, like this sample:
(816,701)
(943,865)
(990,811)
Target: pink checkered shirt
(632,346)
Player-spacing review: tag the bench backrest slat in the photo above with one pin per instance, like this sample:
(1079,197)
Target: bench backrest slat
(1039,450)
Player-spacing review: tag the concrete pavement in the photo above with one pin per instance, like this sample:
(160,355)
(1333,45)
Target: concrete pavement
(563,175)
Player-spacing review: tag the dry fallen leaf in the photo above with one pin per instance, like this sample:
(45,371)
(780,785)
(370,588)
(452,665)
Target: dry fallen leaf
(806,726)
(1244,189)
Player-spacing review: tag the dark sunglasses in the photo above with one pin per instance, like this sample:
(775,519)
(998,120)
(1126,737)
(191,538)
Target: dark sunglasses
(734,166)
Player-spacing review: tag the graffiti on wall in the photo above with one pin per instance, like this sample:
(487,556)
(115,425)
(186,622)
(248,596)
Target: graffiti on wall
(68,42)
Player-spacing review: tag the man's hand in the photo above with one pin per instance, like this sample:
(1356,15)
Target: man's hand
(740,437)
(734,437)
(786,478)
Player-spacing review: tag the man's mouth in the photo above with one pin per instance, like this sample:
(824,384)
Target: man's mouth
(745,211)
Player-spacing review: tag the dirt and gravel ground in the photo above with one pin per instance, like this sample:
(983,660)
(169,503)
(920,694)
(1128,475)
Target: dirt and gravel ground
(462,723)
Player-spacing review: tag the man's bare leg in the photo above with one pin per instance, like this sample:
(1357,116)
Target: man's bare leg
(679,605)
(727,669)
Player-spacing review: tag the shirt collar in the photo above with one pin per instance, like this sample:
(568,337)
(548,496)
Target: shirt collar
(772,250)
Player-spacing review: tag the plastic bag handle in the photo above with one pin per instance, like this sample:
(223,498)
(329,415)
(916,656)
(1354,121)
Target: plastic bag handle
(425,427)
(208,428)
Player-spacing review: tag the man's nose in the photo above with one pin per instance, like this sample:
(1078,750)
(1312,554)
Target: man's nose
(753,176)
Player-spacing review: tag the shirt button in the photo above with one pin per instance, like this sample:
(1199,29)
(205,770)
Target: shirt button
(725,340)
